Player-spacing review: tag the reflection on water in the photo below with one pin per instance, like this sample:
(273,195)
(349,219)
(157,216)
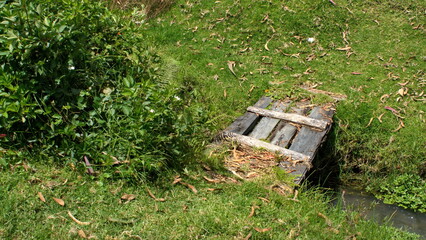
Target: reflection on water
(373,208)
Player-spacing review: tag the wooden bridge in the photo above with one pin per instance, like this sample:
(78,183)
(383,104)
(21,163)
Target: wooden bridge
(295,130)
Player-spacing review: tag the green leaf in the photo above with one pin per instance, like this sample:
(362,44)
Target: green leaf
(11,35)
(46,22)
(126,110)
(61,28)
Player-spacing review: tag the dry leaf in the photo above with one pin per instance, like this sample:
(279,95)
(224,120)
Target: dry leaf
(401,125)
(59,201)
(261,230)
(82,234)
(176,180)
(248,236)
(403,84)
(335,231)
(207,168)
(153,196)
(128,197)
(40,195)
(211,180)
(371,120)
(252,88)
(189,186)
(266,44)
(384,97)
(252,211)
(231,65)
(380,117)
(344,49)
(76,220)
(264,199)
(224,93)
(356,73)
(403,91)
(391,109)
(308,71)
(251,174)
(327,220)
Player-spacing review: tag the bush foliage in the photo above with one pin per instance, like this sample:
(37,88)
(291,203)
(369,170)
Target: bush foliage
(406,191)
(77,80)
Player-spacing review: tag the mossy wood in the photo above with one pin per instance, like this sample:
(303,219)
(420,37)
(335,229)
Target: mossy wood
(293,135)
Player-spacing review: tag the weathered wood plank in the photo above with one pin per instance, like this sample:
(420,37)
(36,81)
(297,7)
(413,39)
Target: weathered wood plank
(253,142)
(244,124)
(265,126)
(308,140)
(291,117)
(283,137)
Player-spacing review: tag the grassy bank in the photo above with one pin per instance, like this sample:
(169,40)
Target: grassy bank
(369,51)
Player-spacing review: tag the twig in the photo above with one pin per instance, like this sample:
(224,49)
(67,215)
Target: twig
(90,170)
(332,2)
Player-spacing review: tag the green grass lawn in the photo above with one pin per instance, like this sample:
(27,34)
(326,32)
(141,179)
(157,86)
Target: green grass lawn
(372,52)
(217,211)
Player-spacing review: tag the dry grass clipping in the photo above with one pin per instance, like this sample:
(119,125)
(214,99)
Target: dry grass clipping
(249,163)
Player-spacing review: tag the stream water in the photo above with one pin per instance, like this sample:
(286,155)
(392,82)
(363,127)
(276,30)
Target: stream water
(375,209)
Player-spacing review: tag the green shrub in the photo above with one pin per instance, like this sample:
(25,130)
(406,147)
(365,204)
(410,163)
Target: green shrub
(76,80)
(408,191)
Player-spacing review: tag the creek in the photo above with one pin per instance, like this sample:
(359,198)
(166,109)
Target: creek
(372,208)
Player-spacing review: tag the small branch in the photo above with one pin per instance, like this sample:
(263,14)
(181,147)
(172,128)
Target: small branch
(90,170)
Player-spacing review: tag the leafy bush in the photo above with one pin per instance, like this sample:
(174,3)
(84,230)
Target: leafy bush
(76,80)
(408,191)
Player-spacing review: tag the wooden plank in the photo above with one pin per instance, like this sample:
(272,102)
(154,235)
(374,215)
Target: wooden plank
(291,117)
(253,142)
(244,124)
(265,126)
(284,136)
(308,140)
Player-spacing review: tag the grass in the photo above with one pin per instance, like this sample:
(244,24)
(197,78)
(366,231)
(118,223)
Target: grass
(265,43)
(368,51)
(225,213)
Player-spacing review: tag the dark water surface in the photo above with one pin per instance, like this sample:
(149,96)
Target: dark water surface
(375,209)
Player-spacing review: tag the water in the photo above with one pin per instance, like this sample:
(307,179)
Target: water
(375,209)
